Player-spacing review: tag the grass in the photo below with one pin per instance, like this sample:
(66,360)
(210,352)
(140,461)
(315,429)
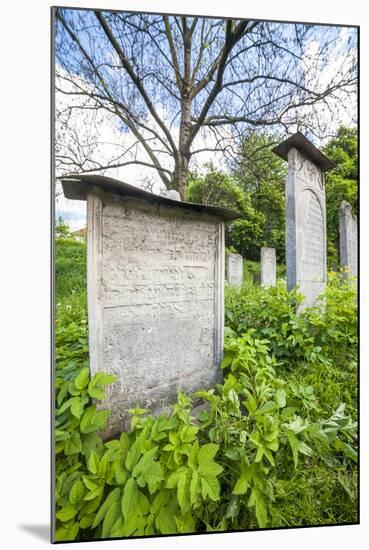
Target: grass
(318,493)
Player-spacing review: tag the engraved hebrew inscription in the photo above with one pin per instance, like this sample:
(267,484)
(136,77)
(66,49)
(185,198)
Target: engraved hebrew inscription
(312,256)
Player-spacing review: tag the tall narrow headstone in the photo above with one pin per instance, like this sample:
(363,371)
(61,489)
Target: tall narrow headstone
(348,239)
(155,270)
(306,233)
(268,267)
(234,270)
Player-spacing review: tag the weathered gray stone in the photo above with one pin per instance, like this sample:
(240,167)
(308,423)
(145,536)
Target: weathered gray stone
(156,299)
(268,267)
(234,270)
(306,238)
(155,294)
(171,194)
(348,239)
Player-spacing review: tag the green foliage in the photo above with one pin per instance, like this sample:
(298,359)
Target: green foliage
(274,445)
(261,175)
(215,188)
(70,268)
(341,184)
(62,228)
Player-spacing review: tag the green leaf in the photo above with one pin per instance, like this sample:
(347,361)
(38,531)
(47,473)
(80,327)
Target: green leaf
(268,407)
(281,398)
(133,456)
(194,487)
(86,522)
(67,512)
(242,485)
(103,379)
(129,499)
(99,419)
(210,487)
(93,463)
(165,522)
(73,445)
(149,471)
(85,425)
(96,393)
(112,514)
(67,533)
(260,509)
(82,379)
(207,452)
(293,441)
(77,492)
(113,497)
(210,468)
(160,501)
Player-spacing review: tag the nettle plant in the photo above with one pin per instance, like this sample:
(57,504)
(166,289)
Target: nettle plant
(177,474)
(267,428)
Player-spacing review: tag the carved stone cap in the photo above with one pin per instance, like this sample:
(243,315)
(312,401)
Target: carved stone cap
(79,186)
(346,208)
(302,144)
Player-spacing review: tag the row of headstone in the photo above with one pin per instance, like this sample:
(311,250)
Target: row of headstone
(268,268)
(155,270)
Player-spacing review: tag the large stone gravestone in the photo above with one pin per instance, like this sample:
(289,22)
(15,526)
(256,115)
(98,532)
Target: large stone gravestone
(234,269)
(268,267)
(306,234)
(348,239)
(155,269)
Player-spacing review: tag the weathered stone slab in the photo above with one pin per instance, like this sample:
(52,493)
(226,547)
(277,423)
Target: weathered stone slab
(348,239)
(268,267)
(306,236)
(234,270)
(155,298)
(155,280)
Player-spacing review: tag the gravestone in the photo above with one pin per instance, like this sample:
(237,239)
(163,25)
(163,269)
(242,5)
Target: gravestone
(268,267)
(234,270)
(306,233)
(155,270)
(348,239)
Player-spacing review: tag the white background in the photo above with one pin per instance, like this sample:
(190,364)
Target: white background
(25,271)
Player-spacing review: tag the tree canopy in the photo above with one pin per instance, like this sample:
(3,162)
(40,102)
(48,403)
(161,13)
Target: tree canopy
(176,87)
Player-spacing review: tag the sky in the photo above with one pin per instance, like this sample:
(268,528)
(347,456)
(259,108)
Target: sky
(112,140)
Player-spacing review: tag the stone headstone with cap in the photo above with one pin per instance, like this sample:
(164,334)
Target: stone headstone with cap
(155,269)
(306,234)
(348,239)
